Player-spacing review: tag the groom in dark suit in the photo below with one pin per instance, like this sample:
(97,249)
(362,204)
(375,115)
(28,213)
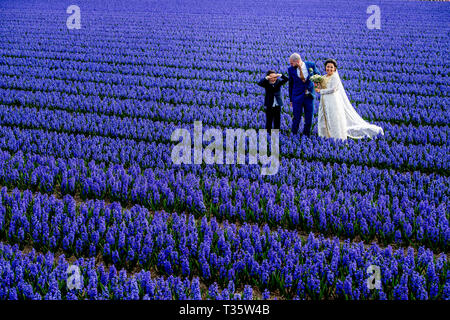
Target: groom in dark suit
(273,101)
(301,92)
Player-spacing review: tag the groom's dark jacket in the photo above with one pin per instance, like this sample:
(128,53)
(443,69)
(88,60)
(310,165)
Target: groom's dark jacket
(273,91)
(297,87)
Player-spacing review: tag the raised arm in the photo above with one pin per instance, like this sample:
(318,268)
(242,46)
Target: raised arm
(283,80)
(262,82)
(332,86)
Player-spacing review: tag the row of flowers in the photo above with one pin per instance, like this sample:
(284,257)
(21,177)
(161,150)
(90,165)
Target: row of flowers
(373,153)
(74,119)
(416,186)
(177,244)
(242,83)
(230,59)
(423,95)
(35,276)
(392,103)
(330,211)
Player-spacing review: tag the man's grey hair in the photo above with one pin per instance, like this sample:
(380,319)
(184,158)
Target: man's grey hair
(295,57)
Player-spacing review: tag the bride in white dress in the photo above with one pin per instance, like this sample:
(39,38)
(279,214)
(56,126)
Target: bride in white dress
(337,118)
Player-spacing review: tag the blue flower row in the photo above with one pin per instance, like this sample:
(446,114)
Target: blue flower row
(178,244)
(329,210)
(158,76)
(373,153)
(35,276)
(74,120)
(393,103)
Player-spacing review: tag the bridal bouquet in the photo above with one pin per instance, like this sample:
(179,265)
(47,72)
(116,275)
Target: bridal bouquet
(317,78)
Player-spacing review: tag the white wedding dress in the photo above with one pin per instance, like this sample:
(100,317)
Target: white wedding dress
(337,118)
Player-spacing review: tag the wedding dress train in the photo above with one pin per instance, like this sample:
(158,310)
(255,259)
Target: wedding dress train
(337,118)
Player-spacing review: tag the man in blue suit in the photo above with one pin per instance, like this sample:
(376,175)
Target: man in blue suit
(301,92)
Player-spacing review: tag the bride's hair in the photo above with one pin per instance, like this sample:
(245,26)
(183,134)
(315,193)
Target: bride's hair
(331,61)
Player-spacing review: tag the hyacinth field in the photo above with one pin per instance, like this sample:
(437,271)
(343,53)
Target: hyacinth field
(87,179)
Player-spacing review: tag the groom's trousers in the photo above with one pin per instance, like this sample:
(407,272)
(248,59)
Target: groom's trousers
(273,115)
(305,105)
